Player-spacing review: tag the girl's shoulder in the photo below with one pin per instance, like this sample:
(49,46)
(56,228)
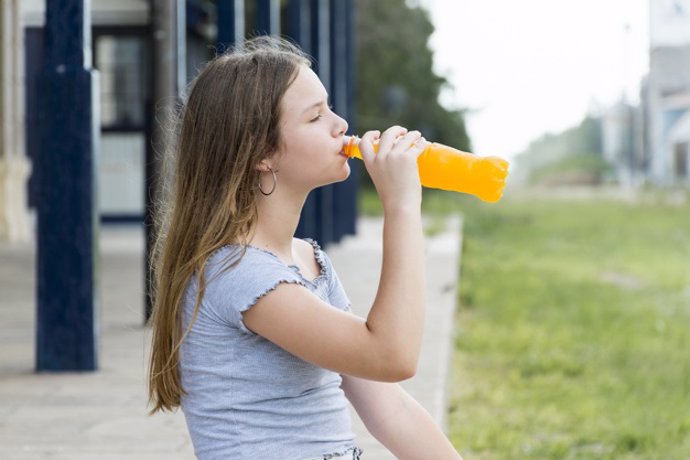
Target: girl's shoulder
(308,247)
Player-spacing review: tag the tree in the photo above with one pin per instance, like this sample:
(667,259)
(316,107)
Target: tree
(395,79)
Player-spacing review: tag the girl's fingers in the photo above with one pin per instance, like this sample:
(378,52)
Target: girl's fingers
(389,138)
(366,144)
(407,142)
(395,139)
(418,146)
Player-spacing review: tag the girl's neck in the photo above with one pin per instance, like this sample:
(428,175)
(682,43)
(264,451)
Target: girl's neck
(278,216)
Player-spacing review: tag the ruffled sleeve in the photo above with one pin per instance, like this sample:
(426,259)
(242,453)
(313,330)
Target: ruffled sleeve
(336,292)
(233,290)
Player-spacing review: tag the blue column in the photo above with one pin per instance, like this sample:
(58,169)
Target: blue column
(320,40)
(268,17)
(350,66)
(342,97)
(299,23)
(351,98)
(67,241)
(230,24)
(300,31)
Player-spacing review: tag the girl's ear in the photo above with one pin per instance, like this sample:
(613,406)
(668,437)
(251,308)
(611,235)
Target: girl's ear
(263,166)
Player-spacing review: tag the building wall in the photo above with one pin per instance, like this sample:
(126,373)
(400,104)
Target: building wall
(669,102)
(668,21)
(323,29)
(668,91)
(121,54)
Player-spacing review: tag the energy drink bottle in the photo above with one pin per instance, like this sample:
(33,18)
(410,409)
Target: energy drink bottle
(445,168)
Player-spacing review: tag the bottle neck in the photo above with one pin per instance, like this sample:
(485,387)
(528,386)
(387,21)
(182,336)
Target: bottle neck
(351,149)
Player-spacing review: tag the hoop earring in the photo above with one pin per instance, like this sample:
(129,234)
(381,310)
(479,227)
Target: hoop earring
(275,182)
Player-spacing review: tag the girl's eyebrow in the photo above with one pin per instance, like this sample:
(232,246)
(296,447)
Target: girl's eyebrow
(315,105)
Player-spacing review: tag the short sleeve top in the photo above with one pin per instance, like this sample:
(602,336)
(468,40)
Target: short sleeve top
(245,396)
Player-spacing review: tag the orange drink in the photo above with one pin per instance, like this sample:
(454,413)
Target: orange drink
(446,168)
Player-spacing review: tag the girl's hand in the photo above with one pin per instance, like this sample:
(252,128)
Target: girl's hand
(393,168)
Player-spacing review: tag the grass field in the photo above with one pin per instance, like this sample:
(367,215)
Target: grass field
(573,328)
(573,331)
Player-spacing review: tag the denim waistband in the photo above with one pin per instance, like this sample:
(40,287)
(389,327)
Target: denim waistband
(353,453)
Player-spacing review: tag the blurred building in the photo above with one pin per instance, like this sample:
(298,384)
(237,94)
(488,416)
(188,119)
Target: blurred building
(622,142)
(649,143)
(123,54)
(666,98)
(86,89)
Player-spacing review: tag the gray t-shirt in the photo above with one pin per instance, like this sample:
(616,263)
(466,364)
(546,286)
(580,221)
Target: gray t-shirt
(247,398)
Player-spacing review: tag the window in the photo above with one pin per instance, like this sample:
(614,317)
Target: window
(124,80)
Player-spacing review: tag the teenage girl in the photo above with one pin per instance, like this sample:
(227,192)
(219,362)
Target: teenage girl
(252,331)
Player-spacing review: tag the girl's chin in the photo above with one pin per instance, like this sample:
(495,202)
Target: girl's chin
(344,173)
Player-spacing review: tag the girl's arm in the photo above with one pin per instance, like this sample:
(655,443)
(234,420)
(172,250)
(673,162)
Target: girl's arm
(397,421)
(386,346)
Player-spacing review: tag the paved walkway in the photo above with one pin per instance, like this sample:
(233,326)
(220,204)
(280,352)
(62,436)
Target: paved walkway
(102,415)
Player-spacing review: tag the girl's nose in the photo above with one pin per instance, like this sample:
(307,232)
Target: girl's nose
(341,126)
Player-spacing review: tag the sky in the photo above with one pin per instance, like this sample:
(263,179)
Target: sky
(530,67)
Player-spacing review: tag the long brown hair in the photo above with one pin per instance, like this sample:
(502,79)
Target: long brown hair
(229,123)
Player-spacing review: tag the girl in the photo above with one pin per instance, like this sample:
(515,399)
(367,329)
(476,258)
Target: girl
(252,332)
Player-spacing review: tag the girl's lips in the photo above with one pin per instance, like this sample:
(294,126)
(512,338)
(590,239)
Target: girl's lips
(347,141)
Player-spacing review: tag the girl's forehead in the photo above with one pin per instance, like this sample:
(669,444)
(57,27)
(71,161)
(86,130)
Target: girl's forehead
(306,88)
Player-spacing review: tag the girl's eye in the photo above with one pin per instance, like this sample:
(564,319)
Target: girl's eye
(316,118)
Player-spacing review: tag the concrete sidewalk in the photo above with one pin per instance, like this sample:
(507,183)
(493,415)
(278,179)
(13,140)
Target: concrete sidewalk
(102,415)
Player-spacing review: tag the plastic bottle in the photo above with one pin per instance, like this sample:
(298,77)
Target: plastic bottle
(446,168)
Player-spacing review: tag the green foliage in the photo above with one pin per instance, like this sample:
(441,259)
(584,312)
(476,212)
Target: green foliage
(573,331)
(395,79)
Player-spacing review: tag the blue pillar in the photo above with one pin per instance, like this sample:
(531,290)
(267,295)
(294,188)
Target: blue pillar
(300,32)
(230,24)
(342,97)
(320,41)
(350,79)
(268,17)
(67,241)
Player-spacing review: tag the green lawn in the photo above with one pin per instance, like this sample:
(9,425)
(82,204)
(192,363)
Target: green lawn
(573,328)
(573,336)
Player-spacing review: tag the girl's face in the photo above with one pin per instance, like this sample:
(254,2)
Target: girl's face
(310,152)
